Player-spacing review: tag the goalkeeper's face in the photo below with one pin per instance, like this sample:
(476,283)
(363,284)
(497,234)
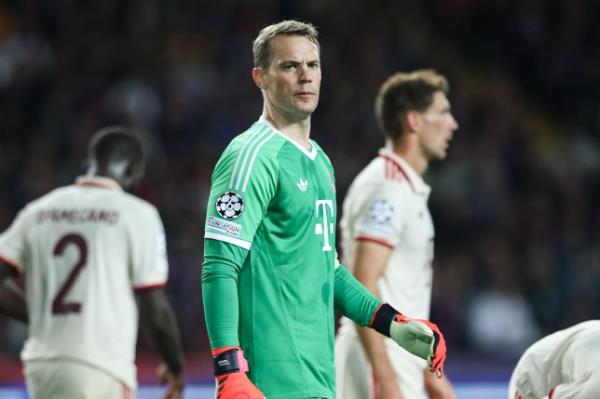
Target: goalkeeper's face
(292,82)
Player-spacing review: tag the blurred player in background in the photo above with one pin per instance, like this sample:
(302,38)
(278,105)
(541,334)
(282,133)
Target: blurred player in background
(88,251)
(563,365)
(387,237)
(270,277)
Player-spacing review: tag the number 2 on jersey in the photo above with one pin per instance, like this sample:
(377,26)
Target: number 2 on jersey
(59,305)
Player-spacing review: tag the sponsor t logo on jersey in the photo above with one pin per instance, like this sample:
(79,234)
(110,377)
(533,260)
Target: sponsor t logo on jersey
(326,227)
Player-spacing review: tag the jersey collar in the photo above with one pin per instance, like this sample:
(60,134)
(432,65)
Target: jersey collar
(97,181)
(312,153)
(414,179)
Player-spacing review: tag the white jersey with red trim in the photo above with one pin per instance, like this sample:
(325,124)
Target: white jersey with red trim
(84,249)
(563,365)
(387,204)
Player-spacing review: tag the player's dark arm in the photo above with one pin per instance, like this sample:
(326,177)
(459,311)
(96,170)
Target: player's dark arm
(158,322)
(12,299)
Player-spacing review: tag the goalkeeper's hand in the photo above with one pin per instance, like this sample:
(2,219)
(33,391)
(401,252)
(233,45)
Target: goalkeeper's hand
(439,349)
(230,367)
(420,337)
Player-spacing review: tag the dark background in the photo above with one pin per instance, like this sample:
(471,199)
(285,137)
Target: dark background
(515,205)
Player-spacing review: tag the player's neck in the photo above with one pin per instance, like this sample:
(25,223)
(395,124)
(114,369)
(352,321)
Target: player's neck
(412,154)
(298,131)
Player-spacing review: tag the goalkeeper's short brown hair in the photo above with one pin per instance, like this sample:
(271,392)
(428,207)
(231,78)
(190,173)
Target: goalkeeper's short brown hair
(403,92)
(261,48)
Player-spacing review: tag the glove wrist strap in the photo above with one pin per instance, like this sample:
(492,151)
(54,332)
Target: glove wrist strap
(231,361)
(382,319)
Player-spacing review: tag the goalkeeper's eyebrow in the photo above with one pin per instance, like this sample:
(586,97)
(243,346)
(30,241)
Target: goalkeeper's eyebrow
(294,63)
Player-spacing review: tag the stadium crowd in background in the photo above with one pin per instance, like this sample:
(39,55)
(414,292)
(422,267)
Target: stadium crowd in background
(514,205)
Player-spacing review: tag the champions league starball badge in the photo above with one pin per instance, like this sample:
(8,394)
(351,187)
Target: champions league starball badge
(381,211)
(230,205)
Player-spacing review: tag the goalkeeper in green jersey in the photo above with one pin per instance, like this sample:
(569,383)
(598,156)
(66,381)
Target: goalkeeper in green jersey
(271,279)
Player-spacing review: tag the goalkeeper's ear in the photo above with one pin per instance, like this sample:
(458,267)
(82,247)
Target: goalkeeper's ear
(260,78)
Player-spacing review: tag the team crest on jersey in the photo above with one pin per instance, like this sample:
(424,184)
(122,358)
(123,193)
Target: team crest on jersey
(381,211)
(230,205)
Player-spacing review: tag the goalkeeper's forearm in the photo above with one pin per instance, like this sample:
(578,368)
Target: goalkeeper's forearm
(352,299)
(221,311)
(220,300)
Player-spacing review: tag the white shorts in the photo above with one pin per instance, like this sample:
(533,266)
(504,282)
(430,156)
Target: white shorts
(66,379)
(354,378)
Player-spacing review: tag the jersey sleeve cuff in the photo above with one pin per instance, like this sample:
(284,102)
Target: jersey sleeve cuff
(231,240)
(377,240)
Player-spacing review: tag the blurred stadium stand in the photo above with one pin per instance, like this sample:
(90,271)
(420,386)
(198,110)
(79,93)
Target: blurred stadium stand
(515,204)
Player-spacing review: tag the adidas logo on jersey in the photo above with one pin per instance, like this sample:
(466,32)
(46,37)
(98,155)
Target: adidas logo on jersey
(302,185)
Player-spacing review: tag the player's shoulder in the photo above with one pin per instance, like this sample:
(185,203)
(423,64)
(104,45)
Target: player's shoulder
(51,199)
(384,174)
(136,205)
(56,195)
(391,170)
(253,152)
(371,185)
(259,141)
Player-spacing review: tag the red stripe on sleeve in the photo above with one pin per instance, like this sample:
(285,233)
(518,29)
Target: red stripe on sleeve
(376,240)
(13,266)
(150,286)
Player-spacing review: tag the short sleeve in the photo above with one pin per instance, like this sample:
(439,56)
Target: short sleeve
(13,242)
(381,216)
(243,185)
(149,256)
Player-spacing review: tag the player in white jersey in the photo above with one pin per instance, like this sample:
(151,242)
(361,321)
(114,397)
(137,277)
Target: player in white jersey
(563,365)
(387,237)
(89,251)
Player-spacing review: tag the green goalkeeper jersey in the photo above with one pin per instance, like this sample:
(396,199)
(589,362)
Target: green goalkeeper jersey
(276,200)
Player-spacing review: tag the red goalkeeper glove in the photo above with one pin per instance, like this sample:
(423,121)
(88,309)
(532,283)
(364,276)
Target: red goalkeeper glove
(420,337)
(230,367)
